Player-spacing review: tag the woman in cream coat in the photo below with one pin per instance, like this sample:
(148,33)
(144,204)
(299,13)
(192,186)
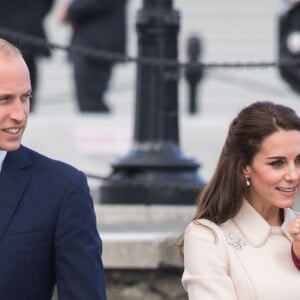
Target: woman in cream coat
(238,245)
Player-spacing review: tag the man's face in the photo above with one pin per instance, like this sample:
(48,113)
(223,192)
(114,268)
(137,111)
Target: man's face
(15,91)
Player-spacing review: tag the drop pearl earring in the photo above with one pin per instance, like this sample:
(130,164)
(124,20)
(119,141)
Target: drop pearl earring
(248,182)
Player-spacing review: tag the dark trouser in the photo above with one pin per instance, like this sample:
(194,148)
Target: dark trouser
(91,82)
(31,63)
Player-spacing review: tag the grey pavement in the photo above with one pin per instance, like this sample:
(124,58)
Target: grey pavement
(232,31)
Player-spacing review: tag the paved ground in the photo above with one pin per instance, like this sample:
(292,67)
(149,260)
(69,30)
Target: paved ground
(231,31)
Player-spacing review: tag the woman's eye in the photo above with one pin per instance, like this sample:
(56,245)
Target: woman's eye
(276,163)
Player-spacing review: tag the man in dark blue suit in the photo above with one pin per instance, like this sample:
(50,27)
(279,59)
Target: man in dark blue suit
(48,233)
(99,25)
(27,17)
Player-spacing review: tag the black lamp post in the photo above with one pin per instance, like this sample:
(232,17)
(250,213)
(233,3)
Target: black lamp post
(155,170)
(289,46)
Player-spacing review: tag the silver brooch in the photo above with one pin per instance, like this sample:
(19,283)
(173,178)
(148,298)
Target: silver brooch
(236,240)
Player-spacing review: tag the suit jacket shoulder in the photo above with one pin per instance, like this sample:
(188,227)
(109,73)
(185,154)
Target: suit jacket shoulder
(48,211)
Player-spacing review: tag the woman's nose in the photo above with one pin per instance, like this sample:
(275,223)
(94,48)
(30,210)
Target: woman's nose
(293,173)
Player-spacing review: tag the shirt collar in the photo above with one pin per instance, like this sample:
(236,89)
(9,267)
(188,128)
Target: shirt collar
(2,156)
(255,228)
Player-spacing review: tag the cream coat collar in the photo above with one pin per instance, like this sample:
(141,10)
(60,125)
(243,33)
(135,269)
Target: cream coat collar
(254,227)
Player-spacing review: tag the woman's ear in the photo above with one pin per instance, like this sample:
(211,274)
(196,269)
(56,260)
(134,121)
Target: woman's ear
(246,172)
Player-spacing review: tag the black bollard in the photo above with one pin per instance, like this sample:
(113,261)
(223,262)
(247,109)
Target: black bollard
(155,171)
(193,72)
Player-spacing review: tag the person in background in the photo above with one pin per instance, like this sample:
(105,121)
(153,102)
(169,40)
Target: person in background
(48,232)
(96,25)
(27,17)
(285,5)
(238,245)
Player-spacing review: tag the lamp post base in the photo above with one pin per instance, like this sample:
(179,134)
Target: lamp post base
(151,187)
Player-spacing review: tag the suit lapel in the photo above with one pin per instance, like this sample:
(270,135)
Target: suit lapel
(13,181)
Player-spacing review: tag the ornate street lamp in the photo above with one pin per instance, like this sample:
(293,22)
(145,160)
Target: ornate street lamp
(289,46)
(155,170)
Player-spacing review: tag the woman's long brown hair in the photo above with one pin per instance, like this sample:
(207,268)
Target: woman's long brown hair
(222,197)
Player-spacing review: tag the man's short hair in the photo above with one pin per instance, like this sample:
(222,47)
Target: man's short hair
(8,50)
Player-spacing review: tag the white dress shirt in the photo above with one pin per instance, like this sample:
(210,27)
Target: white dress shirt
(2,156)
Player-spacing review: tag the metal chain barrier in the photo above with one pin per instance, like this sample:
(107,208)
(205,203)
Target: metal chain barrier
(112,56)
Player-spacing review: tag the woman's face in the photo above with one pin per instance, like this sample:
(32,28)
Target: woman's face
(275,171)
